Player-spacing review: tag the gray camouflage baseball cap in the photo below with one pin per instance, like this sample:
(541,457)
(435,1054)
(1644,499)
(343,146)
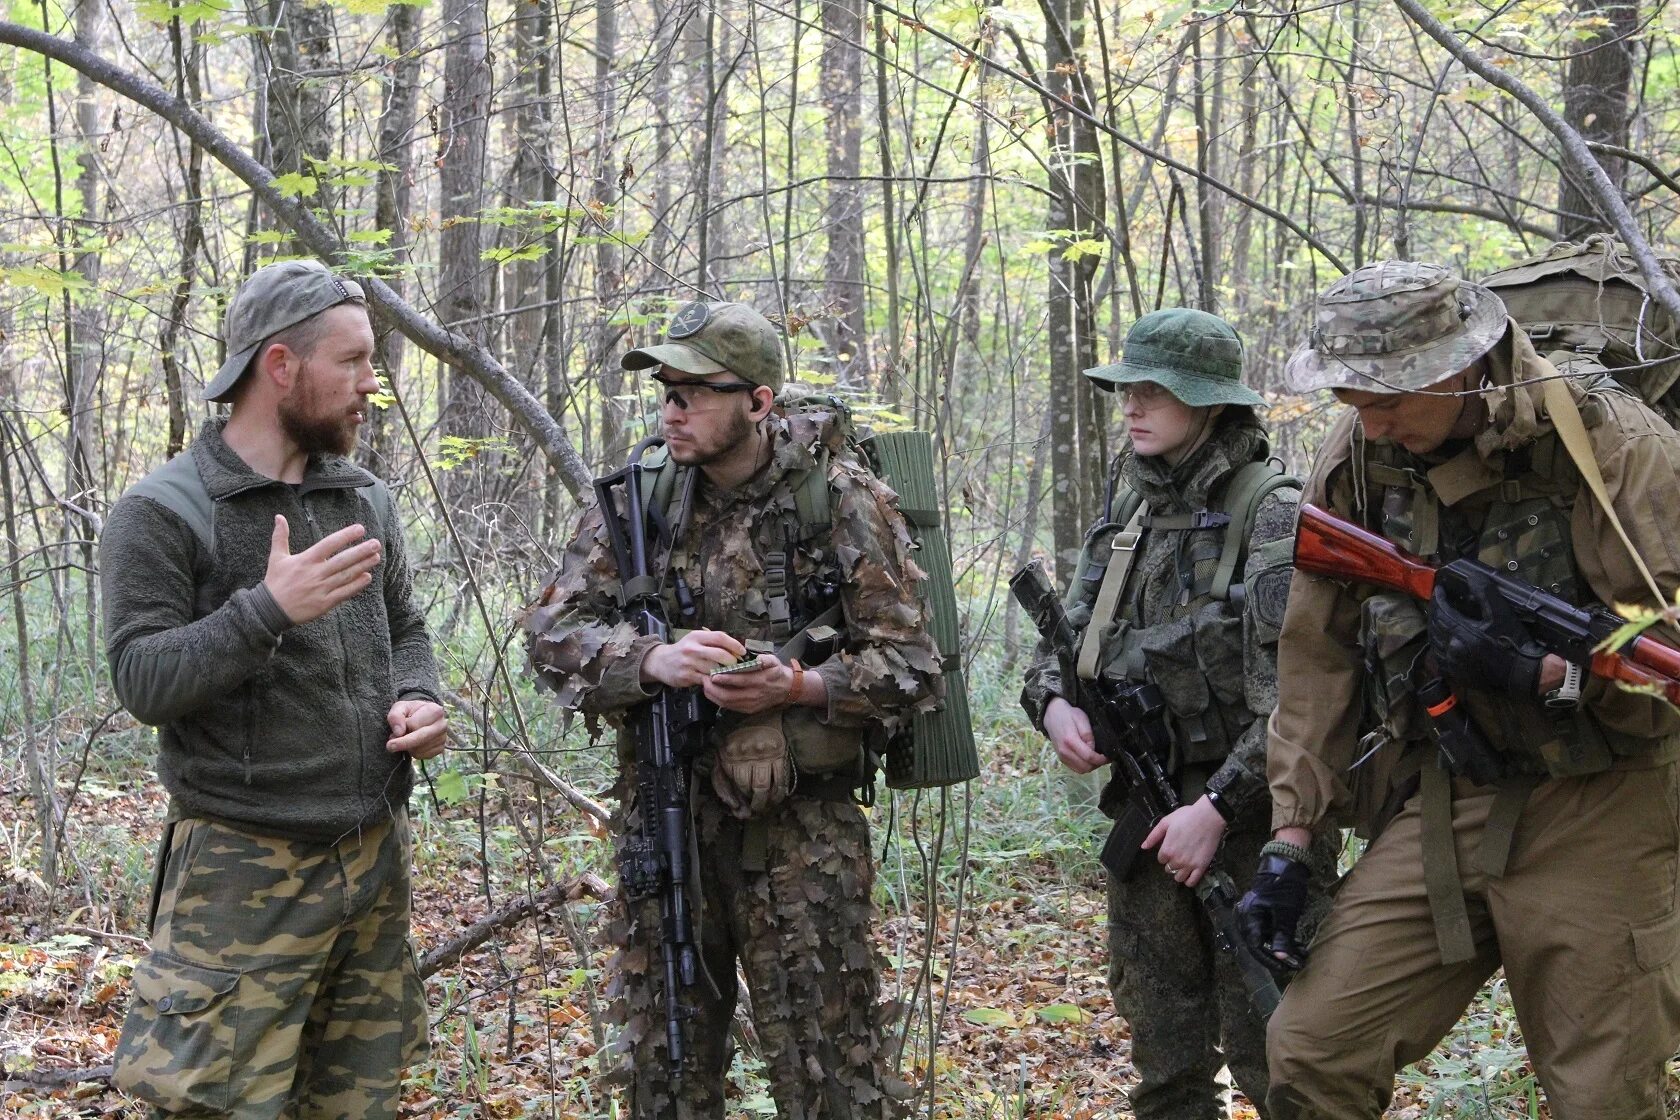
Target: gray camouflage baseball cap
(1196,357)
(717,338)
(1396,327)
(274,297)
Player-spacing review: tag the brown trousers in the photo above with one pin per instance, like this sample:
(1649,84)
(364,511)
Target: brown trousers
(1584,921)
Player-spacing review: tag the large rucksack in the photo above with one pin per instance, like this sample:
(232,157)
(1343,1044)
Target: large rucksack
(938,748)
(1587,309)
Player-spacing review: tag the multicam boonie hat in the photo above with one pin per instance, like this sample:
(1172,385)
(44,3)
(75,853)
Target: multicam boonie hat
(1395,327)
(717,338)
(1196,357)
(274,297)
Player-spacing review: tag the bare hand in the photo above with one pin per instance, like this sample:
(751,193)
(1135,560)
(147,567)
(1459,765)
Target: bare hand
(418,727)
(689,660)
(322,576)
(1069,730)
(1189,839)
(761,690)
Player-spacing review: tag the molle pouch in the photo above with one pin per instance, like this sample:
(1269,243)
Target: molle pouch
(1394,632)
(819,748)
(1169,650)
(1124,845)
(177,1046)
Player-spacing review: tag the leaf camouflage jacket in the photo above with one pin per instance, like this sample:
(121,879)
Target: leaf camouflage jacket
(887,666)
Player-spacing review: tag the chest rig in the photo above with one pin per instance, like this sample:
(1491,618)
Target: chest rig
(1168,606)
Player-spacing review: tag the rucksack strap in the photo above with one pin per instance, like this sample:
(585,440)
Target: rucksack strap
(1242,498)
(1122,552)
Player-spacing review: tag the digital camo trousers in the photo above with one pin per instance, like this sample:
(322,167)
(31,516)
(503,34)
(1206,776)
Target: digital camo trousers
(280,980)
(802,930)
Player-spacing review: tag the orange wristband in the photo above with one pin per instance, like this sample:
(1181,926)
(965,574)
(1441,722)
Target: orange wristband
(796,687)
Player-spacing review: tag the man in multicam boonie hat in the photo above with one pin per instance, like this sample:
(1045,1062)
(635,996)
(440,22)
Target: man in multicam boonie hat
(1564,871)
(782,855)
(259,613)
(1150,605)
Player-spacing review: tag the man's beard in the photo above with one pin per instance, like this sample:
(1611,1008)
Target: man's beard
(313,433)
(740,429)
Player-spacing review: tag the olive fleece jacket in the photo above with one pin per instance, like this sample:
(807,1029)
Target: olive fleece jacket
(273,728)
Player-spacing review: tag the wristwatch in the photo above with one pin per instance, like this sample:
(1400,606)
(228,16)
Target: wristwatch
(1567,694)
(1219,803)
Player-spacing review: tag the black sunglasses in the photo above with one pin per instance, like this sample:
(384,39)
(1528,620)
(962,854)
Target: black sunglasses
(673,394)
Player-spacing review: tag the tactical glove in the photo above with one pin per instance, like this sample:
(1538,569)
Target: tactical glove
(1270,911)
(1479,641)
(753,769)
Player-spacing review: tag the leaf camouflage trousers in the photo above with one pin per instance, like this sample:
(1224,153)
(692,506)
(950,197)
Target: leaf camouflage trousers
(280,981)
(802,929)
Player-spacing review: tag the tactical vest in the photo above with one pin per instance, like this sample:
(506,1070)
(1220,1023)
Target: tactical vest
(1519,525)
(1195,653)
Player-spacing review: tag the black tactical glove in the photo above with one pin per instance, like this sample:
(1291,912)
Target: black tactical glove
(1271,910)
(1479,641)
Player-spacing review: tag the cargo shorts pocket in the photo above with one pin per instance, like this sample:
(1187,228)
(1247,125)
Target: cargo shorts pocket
(177,1043)
(1654,997)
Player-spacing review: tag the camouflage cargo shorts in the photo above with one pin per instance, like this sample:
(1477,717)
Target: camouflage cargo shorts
(280,981)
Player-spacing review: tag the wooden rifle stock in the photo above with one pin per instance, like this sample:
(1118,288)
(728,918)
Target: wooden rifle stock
(1327,545)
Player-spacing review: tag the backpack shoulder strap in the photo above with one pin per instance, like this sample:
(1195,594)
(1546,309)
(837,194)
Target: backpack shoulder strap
(1241,500)
(179,488)
(1123,548)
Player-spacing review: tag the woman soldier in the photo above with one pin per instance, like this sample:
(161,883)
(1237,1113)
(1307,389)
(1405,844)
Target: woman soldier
(1181,585)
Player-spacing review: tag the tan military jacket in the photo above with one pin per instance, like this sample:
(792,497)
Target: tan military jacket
(1315,727)
(888,666)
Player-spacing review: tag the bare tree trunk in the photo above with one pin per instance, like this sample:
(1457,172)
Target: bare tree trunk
(463,288)
(842,97)
(187,54)
(609,269)
(1595,104)
(531,185)
(399,110)
(86,357)
(301,101)
(1076,205)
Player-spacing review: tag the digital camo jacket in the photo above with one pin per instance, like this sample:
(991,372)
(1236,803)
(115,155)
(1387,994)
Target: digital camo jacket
(1215,661)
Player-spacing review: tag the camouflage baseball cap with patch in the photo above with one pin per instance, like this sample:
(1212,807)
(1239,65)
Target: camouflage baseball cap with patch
(1195,356)
(717,338)
(1396,327)
(276,296)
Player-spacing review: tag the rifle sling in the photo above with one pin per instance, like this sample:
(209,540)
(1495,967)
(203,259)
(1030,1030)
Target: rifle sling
(1124,552)
(1572,430)
(1440,867)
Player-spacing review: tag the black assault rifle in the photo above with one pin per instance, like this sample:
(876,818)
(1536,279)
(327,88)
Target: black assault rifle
(1129,724)
(666,732)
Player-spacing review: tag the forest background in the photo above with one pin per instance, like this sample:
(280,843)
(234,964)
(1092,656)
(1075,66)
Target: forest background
(953,208)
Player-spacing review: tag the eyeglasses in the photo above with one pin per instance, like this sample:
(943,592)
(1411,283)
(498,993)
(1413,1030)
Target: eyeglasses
(1145,394)
(674,390)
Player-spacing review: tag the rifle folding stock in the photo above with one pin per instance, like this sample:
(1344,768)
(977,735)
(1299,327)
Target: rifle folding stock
(1129,724)
(1328,545)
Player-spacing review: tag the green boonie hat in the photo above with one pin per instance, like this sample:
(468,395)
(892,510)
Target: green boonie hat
(275,297)
(1196,357)
(717,338)
(1396,327)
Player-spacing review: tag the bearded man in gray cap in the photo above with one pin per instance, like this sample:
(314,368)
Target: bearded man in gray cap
(783,863)
(259,613)
(1560,859)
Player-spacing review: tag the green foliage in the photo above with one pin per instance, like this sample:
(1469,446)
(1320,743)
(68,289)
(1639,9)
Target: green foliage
(188,11)
(453,451)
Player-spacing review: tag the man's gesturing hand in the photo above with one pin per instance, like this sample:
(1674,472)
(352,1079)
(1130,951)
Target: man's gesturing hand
(419,727)
(322,576)
(689,660)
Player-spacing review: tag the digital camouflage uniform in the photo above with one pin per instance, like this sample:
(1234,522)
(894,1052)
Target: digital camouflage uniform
(1214,661)
(787,894)
(1566,874)
(279,980)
